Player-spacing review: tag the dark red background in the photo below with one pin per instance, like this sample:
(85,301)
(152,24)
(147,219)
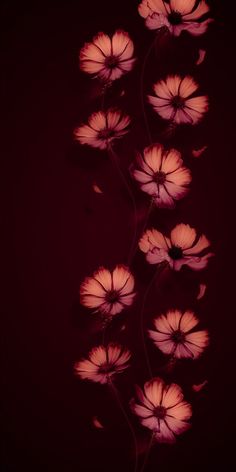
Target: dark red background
(56,231)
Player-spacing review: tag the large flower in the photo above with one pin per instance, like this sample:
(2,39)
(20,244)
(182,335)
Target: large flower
(103,363)
(108,58)
(173,100)
(174,335)
(183,247)
(102,128)
(162,409)
(162,175)
(108,292)
(176,15)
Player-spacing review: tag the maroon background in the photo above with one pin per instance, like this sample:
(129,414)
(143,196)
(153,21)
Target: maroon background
(56,231)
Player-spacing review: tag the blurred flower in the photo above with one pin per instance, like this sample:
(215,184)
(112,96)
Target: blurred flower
(108,292)
(183,247)
(162,409)
(162,175)
(176,15)
(172,100)
(102,363)
(102,128)
(108,58)
(174,335)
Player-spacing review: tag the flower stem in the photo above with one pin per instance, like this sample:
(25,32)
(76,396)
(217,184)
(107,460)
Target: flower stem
(115,161)
(117,397)
(158,271)
(142,90)
(147,453)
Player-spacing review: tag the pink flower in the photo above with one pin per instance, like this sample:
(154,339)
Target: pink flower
(162,175)
(108,58)
(162,409)
(183,247)
(102,128)
(103,363)
(174,335)
(176,15)
(108,292)
(173,100)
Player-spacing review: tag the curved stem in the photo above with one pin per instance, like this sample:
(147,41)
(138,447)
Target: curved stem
(142,318)
(114,159)
(142,89)
(147,453)
(117,397)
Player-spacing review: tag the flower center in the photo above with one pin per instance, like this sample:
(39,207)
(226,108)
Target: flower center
(177,102)
(106,134)
(175,252)
(160,412)
(178,337)
(175,18)
(105,368)
(112,296)
(160,177)
(111,62)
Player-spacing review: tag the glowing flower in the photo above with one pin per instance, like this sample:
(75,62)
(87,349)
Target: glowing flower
(102,128)
(183,247)
(103,363)
(162,175)
(162,409)
(108,58)
(176,15)
(174,101)
(174,335)
(108,292)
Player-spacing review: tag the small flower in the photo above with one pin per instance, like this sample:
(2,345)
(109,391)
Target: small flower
(103,363)
(174,335)
(108,292)
(176,15)
(174,101)
(162,409)
(162,175)
(183,247)
(108,58)
(102,128)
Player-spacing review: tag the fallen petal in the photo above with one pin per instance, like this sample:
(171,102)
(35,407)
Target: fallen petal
(199,387)
(201,56)
(202,290)
(96,423)
(198,152)
(97,189)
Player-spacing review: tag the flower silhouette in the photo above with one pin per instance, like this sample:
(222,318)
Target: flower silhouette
(176,15)
(108,58)
(174,335)
(108,292)
(162,175)
(102,128)
(103,363)
(162,409)
(173,100)
(183,247)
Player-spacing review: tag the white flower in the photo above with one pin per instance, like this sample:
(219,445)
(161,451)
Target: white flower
(102,128)
(162,175)
(108,58)
(173,100)
(108,292)
(183,247)
(174,335)
(103,363)
(176,15)
(162,409)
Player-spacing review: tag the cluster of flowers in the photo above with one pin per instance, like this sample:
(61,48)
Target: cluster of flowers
(162,175)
